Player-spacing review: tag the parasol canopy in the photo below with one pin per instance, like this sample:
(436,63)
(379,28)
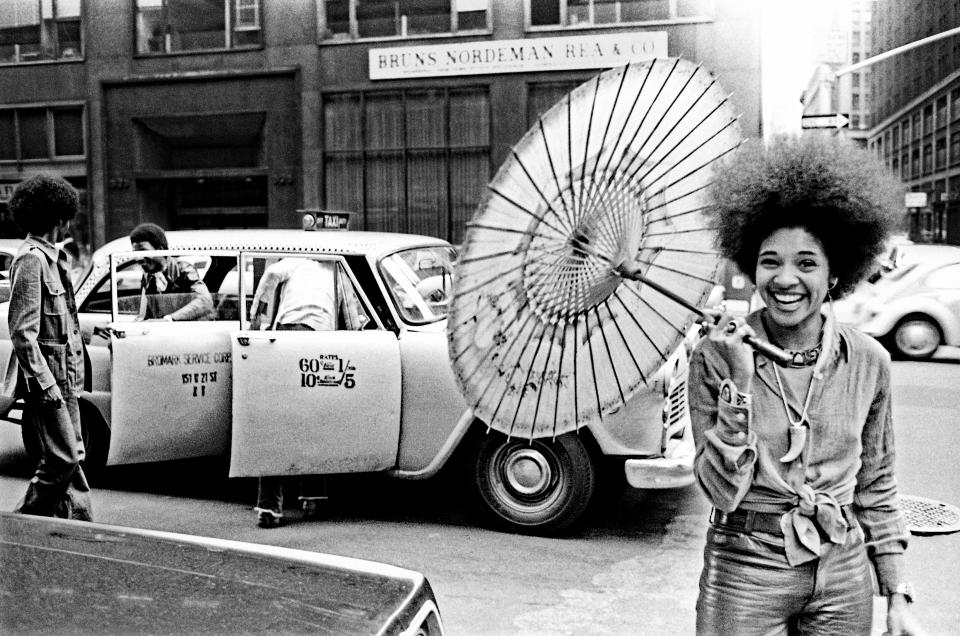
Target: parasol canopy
(582,268)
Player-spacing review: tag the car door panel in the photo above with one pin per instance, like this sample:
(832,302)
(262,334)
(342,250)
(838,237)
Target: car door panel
(314,402)
(171,390)
(432,402)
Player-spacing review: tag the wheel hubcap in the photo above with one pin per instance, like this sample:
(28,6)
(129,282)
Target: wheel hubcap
(527,471)
(917,338)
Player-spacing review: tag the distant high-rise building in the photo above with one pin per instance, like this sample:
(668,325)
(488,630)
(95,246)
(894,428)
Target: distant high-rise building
(916,102)
(845,41)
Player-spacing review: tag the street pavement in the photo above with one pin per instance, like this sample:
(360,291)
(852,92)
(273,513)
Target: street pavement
(632,571)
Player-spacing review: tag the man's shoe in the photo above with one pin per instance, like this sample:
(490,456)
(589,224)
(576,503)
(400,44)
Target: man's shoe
(268,518)
(313,508)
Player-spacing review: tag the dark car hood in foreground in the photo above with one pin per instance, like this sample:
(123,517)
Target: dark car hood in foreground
(72,577)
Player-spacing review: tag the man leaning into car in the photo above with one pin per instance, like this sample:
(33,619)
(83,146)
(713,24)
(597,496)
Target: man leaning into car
(294,294)
(168,282)
(45,334)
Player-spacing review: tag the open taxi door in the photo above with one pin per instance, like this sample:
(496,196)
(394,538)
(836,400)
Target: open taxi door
(316,399)
(171,381)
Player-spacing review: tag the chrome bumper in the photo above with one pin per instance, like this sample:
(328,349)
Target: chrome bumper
(674,471)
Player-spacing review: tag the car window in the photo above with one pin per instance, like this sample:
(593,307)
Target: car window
(944,277)
(303,293)
(128,291)
(420,281)
(213,270)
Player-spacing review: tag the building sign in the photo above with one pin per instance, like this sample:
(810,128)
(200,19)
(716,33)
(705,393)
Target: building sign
(6,191)
(517,56)
(915,199)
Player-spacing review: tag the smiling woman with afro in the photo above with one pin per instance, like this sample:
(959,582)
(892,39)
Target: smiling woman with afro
(798,462)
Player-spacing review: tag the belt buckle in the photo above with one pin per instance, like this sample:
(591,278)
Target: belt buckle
(717,517)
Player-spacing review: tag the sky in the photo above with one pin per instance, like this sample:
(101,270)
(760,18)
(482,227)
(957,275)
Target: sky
(793,33)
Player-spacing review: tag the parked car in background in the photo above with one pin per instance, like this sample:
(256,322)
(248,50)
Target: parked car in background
(379,399)
(72,577)
(915,307)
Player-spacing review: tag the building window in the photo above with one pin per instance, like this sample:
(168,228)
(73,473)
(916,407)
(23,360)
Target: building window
(33,30)
(572,13)
(954,148)
(540,97)
(916,126)
(407,161)
(941,153)
(904,166)
(177,26)
(955,104)
(927,159)
(351,19)
(915,163)
(928,120)
(895,137)
(41,133)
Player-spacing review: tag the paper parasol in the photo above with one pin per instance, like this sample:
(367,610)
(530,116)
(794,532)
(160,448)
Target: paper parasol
(548,329)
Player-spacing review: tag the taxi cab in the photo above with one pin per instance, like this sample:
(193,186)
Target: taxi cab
(377,394)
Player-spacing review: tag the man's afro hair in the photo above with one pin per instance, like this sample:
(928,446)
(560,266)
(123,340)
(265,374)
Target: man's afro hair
(839,193)
(42,202)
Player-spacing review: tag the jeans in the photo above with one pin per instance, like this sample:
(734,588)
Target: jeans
(58,488)
(748,588)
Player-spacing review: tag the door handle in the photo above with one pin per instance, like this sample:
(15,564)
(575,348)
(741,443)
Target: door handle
(244,341)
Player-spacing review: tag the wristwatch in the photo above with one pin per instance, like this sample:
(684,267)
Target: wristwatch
(907,590)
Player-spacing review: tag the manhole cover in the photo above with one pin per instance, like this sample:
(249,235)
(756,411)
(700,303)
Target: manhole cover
(926,516)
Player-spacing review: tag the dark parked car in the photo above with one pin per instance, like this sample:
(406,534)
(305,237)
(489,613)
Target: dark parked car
(70,577)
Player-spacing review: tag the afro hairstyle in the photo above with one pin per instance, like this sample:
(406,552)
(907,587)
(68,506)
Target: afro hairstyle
(42,202)
(827,186)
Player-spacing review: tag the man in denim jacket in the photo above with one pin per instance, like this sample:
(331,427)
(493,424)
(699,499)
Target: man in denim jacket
(46,339)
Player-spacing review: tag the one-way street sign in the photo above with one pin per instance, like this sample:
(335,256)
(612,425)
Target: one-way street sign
(835,120)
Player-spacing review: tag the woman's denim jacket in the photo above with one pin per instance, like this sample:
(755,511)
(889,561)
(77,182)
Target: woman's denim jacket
(43,319)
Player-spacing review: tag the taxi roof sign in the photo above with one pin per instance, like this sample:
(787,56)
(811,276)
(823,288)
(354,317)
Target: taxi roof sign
(325,219)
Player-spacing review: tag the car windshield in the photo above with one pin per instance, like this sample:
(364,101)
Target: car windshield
(419,281)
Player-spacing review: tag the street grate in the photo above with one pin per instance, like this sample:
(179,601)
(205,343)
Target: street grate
(926,516)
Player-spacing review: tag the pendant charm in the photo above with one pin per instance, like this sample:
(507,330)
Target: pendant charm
(798,440)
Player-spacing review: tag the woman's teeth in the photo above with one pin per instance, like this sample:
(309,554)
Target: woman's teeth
(787,299)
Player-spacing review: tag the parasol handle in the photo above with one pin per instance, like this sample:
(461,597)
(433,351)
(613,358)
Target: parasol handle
(768,350)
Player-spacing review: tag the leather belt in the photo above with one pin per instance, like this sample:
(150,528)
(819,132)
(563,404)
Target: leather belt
(747,521)
(753,521)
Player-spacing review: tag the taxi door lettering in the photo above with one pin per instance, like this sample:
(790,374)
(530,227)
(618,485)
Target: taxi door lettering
(198,381)
(327,370)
